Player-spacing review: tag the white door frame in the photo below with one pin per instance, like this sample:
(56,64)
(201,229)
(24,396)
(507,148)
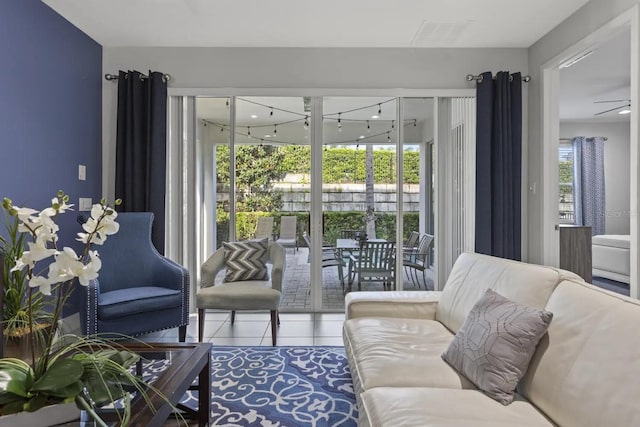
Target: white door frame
(550,73)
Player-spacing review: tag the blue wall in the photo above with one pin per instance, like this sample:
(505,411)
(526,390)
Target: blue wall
(50,107)
(50,111)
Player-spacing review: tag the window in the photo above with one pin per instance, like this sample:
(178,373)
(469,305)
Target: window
(566,183)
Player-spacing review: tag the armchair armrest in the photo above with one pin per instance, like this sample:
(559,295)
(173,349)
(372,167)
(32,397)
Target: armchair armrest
(413,305)
(277,256)
(169,274)
(210,269)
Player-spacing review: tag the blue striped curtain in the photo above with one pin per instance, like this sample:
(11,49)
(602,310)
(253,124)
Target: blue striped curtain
(588,183)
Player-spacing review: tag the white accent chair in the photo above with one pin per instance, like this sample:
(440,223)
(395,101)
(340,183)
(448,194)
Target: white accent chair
(243,295)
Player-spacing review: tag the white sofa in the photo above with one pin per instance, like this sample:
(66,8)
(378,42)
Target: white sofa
(585,372)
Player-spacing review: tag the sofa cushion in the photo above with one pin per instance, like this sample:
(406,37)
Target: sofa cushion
(246,260)
(585,370)
(440,407)
(495,344)
(472,274)
(399,352)
(124,302)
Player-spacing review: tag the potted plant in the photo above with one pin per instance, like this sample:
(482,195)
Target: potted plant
(15,310)
(87,371)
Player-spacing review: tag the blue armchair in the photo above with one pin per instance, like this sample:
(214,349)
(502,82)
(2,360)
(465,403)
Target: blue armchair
(138,290)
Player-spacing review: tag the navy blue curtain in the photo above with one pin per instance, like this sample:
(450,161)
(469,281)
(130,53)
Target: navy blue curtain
(499,165)
(141,147)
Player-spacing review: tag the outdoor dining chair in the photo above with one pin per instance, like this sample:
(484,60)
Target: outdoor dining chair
(374,262)
(330,258)
(417,260)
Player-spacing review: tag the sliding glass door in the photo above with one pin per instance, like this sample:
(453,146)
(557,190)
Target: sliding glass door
(366,167)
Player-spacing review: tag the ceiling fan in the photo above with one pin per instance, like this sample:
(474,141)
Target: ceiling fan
(627,104)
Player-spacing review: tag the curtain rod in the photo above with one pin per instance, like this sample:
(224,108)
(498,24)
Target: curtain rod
(478,78)
(604,138)
(112,77)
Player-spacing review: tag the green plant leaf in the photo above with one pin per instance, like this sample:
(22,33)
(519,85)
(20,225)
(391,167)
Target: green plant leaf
(6,398)
(12,407)
(69,391)
(60,374)
(35,403)
(14,380)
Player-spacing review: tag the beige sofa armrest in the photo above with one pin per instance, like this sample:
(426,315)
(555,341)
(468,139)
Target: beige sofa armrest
(413,305)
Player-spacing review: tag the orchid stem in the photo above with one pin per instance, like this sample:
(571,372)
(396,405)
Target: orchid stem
(94,415)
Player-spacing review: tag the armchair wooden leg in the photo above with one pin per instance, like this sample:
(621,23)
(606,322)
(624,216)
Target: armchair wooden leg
(200,324)
(233,316)
(278,317)
(274,326)
(182,333)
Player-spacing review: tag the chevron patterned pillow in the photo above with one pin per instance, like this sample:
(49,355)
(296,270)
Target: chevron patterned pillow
(246,260)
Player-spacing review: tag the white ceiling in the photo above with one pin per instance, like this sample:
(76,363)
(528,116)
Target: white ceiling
(327,23)
(361,23)
(602,76)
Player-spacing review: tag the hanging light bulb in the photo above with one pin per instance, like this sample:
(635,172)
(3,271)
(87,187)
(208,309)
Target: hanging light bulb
(271,113)
(226,104)
(339,123)
(379,109)
(249,131)
(221,128)
(368,126)
(275,130)
(388,137)
(415,122)
(393,124)
(306,122)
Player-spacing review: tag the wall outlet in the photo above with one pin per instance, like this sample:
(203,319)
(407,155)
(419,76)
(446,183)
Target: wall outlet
(82,172)
(85,204)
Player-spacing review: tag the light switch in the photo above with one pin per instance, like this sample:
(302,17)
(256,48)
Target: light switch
(82,172)
(85,204)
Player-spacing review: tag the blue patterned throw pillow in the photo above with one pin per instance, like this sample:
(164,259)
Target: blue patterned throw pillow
(246,260)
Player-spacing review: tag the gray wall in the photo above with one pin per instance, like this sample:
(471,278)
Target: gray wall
(585,21)
(616,168)
(400,70)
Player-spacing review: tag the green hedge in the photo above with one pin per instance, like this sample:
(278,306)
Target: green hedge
(345,165)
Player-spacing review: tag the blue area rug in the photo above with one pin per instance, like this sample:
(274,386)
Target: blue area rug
(278,387)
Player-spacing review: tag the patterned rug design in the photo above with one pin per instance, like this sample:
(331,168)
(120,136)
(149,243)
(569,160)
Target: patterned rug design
(277,387)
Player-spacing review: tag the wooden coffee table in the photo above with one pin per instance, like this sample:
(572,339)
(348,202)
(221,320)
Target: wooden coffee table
(188,361)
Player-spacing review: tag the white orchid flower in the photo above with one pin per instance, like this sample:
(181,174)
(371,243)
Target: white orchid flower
(107,227)
(24,214)
(18,266)
(90,269)
(37,252)
(67,265)
(90,225)
(41,283)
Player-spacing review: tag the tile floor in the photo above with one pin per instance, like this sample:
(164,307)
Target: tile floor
(253,329)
